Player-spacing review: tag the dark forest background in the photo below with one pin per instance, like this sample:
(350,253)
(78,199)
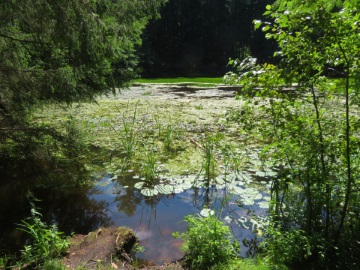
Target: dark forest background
(197,37)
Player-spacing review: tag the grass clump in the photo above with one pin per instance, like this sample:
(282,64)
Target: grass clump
(44,247)
(45,241)
(248,264)
(207,242)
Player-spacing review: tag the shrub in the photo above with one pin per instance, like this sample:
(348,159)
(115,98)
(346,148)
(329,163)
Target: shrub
(45,242)
(207,241)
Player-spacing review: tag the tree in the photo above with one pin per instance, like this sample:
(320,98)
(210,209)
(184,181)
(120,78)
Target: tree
(64,51)
(197,37)
(314,131)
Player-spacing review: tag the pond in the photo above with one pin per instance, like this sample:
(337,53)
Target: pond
(154,218)
(115,201)
(156,155)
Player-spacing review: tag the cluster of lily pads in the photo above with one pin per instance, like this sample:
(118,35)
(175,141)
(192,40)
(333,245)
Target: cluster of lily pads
(235,184)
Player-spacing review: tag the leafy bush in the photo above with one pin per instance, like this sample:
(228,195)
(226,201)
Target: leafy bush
(248,264)
(287,247)
(45,242)
(207,241)
(309,123)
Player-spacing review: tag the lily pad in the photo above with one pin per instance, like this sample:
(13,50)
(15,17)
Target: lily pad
(260,173)
(200,184)
(149,192)
(227,219)
(251,191)
(263,204)
(237,190)
(139,185)
(258,196)
(271,173)
(207,212)
(164,189)
(186,185)
(244,176)
(247,201)
(178,190)
(243,222)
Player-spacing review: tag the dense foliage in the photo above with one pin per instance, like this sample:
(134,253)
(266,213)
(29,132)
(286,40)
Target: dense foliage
(197,37)
(311,122)
(207,242)
(64,51)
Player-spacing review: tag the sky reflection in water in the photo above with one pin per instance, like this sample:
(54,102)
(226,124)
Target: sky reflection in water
(155,218)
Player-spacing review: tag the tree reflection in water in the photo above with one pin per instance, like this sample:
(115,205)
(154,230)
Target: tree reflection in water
(62,200)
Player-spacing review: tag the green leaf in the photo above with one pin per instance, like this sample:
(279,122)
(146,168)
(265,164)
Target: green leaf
(265,28)
(139,185)
(149,192)
(257,23)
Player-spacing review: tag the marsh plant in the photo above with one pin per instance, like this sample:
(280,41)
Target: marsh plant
(236,160)
(165,131)
(210,162)
(45,241)
(130,130)
(158,124)
(227,153)
(149,163)
(169,136)
(207,242)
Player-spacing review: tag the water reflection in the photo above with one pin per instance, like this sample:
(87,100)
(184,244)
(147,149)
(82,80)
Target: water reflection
(113,201)
(155,218)
(152,218)
(62,201)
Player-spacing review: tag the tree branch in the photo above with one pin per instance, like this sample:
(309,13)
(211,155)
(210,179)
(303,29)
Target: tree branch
(23,40)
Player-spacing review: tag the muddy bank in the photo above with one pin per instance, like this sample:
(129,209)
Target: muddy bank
(105,246)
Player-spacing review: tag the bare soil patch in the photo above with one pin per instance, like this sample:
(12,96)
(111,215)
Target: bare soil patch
(105,246)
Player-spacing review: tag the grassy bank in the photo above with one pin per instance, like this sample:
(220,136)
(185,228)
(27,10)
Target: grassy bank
(196,80)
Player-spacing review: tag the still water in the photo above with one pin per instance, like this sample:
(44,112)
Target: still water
(114,201)
(155,218)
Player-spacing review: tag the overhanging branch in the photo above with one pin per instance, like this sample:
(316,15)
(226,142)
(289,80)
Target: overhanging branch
(23,40)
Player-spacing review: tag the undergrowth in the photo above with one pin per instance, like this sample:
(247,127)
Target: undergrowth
(207,242)
(44,246)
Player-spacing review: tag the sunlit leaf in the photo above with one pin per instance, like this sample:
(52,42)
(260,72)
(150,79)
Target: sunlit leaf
(139,185)
(207,212)
(149,192)
(164,189)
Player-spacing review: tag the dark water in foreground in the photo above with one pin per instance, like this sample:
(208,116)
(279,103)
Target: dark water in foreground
(155,218)
(113,201)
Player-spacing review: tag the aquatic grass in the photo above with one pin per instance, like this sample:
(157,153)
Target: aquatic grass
(210,162)
(158,123)
(226,151)
(169,135)
(149,163)
(130,130)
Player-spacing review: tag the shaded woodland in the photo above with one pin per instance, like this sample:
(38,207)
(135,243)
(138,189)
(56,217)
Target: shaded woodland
(197,37)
